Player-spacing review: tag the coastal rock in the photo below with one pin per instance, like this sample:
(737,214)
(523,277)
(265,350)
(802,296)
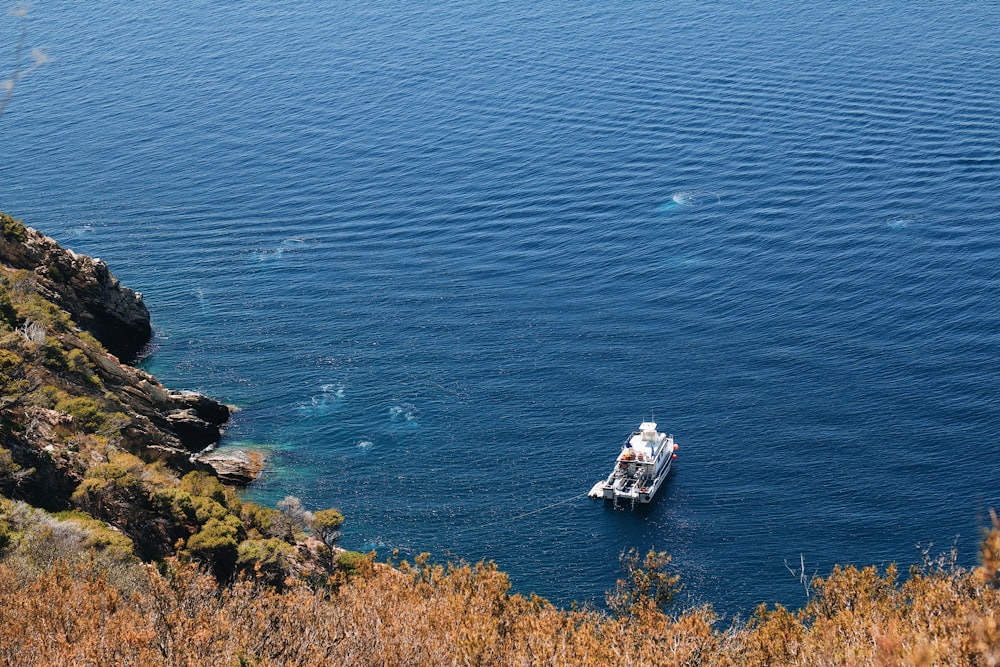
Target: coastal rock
(193,431)
(201,406)
(234,466)
(161,426)
(171,424)
(69,401)
(83,287)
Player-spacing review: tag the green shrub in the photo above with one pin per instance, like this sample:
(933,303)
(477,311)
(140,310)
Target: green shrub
(101,537)
(55,274)
(5,528)
(77,362)
(353,563)
(13,230)
(326,525)
(37,309)
(646,583)
(174,505)
(48,396)
(9,319)
(106,476)
(206,509)
(87,413)
(53,355)
(111,492)
(12,375)
(266,559)
(7,465)
(9,361)
(216,545)
(89,340)
(258,519)
(199,483)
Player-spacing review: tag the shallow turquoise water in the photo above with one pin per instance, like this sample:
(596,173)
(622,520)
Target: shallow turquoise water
(445,256)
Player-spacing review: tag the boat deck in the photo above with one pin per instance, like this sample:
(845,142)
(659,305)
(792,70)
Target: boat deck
(641,466)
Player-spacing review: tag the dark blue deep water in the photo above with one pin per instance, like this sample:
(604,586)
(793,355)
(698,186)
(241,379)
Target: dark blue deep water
(444,255)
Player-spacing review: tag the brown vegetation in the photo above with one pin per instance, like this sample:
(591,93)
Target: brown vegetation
(427,614)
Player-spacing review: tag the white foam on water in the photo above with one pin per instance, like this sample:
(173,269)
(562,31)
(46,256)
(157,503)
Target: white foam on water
(694,198)
(403,416)
(689,199)
(329,398)
(901,222)
(336,390)
(82,230)
(290,244)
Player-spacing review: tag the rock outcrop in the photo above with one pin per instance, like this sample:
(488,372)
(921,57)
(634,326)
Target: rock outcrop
(166,425)
(81,430)
(236,467)
(82,286)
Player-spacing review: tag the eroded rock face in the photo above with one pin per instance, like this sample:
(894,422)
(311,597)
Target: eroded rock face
(85,288)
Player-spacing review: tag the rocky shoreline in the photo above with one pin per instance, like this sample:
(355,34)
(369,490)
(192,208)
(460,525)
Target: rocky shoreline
(178,428)
(102,445)
(83,287)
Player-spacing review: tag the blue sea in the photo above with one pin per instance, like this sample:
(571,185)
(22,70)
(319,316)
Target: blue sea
(445,255)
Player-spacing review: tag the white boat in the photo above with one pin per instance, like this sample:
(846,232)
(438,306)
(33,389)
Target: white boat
(641,467)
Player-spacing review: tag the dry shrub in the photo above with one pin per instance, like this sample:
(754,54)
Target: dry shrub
(429,614)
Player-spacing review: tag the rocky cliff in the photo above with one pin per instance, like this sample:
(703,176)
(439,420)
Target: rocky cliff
(82,431)
(82,286)
(66,396)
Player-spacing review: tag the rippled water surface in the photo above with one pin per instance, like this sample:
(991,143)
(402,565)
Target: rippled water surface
(444,255)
